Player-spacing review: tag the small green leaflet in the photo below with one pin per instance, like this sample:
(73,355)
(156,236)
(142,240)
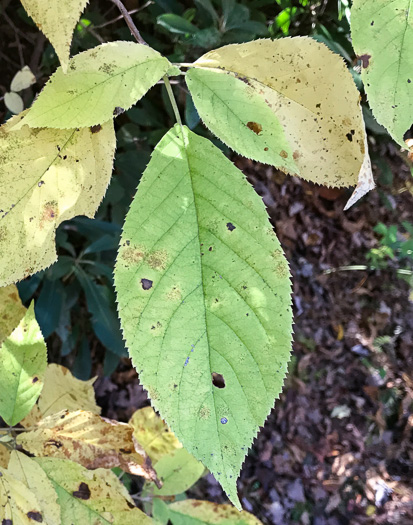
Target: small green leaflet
(203,290)
(382,33)
(100,84)
(23,362)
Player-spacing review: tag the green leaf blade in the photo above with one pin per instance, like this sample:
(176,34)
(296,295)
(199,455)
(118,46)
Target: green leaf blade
(100,83)
(382,34)
(240,117)
(23,362)
(204,291)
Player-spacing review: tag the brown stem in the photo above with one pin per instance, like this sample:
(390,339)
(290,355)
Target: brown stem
(129,21)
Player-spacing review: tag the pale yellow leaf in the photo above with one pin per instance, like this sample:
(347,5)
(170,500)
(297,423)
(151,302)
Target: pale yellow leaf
(91,497)
(22,79)
(14,102)
(11,310)
(57,19)
(312,94)
(89,440)
(4,456)
(153,434)
(47,177)
(32,475)
(62,391)
(18,504)
(191,512)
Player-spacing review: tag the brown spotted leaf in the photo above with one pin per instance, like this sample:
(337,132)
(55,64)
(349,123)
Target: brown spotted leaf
(89,440)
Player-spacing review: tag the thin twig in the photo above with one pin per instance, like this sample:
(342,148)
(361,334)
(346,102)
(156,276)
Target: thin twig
(92,31)
(129,21)
(132,12)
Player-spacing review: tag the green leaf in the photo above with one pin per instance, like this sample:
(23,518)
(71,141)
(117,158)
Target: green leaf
(203,290)
(57,20)
(195,512)
(47,177)
(100,83)
(240,117)
(90,496)
(382,33)
(311,93)
(176,24)
(178,472)
(23,361)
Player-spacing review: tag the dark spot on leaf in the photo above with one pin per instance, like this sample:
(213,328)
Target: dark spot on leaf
(265,149)
(349,137)
(54,443)
(210,249)
(372,23)
(409,81)
(83,492)
(255,127)
(7,522)
(130,505)
(230,226)
(218,380)
(146,284)
(224,420)
(95,129)
(35,516)
(118,111)
(40,183)
(35,379)
(365,60)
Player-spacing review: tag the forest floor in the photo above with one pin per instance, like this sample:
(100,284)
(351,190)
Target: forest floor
(337,448)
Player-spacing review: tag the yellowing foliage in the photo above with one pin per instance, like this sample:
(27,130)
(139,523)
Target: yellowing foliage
(153,434)
(57,19)
(47,176)
(11,310)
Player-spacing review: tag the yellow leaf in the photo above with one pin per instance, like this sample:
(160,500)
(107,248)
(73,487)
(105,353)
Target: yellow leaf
(4,456)
(47,177)
(62,391)
(31,474)
(18,504)
(313,95)
(91,497)
(89,440)
(11,310)
(57,19)
(204,512)
(152,433)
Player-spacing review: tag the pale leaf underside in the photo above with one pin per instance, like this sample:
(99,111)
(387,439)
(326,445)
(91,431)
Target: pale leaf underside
(204,299)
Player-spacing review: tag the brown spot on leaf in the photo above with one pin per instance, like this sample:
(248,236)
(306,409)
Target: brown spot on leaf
(133,255)
(255,127)
(265,149)
(365,60)
(218,380)
(349,137)
(157,260)
(35,379)
(283,154)
(230,226)
(35,516)
(83,492)
(146,284)
(95,129)
(296,155)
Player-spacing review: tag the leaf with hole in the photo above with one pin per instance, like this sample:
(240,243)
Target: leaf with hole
(100,84)
(203,287)
(311,94)
(382,34)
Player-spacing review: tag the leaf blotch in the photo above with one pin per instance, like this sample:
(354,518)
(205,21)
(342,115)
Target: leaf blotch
(205,413)
(83,491)
(174,294)
(50,212)
(255,127)
(146,284)
(218,380)
(283,154)
(157,260)
(95,129)
(230,226)
(35,516)
(365,60)
(133,255)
